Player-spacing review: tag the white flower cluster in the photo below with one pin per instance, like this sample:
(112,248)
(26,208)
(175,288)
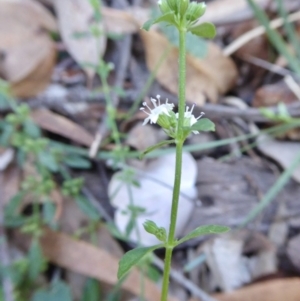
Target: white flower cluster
(163,114)
(159,109)
(189,118)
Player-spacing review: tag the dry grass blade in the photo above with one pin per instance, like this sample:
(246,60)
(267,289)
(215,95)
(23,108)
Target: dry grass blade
(83,258)
(252,34)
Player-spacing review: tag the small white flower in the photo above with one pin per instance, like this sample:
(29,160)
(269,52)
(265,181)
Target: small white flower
(158,109)
(188,115)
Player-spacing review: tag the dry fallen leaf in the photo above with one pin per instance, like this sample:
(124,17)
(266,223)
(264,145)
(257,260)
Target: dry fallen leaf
(141,137)
(26,46)
(85,259)
(38,79)
(273,94)
(75,20)
(73,219)
(124,21)
(117,21)
(6,157)
(211,76)
(275,290)
(9,183)
(283,152)
(58,124)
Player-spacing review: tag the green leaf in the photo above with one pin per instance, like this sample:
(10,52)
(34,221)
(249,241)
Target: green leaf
(283,112)
(58,291)
(7,130)
(153,273)
(205,30)
(268,113)
(146,26)
(21,157)
(194,45)
(48,213)
(130,225)
(1,294)
(12,208)
(4,88)
(36,260)
(48,160)
(203,125)
(86,207)
(204,230)
(169,17)
(156,146)
(76,161)
(31,129)
(132,257)
(91,291)
(14,221)
(282,115)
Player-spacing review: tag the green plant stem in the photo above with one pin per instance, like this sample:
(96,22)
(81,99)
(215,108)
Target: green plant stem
(167,269)
(289,27)
(179,145)
(109,107)
(182,74)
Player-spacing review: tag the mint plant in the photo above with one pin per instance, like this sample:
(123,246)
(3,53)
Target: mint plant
(184,16)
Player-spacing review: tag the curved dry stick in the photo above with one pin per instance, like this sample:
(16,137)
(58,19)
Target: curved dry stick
(250,35)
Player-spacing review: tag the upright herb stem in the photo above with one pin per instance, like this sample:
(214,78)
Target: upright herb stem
(178,165)
(182,74)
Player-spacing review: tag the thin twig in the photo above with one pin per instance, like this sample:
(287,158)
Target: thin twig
(294,87)
(267,65)
(256,32)
(211,110)
(251,114)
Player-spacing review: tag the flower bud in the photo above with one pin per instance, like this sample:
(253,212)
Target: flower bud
(183,6)
(150,227)
(161,234)
(164,121)
(173,5)
(195,11)
(163,6)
